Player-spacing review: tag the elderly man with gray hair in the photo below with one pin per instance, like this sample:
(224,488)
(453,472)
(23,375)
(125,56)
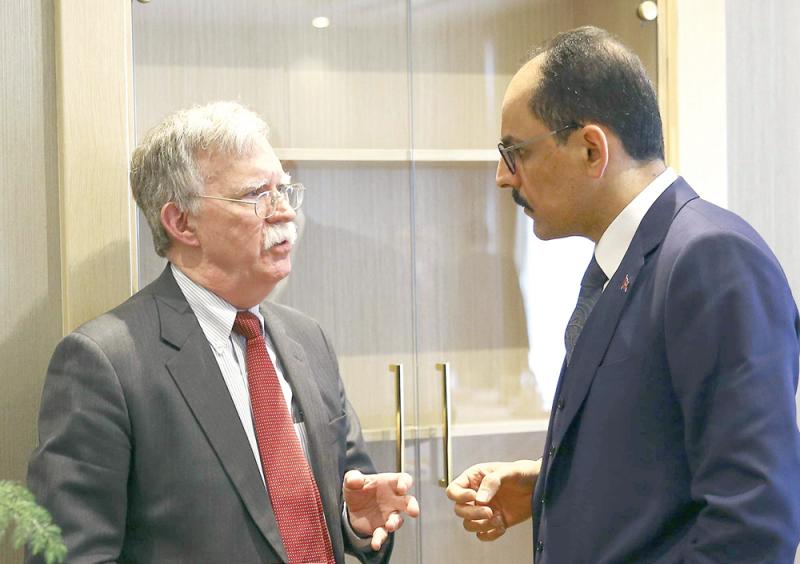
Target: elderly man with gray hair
(194,423)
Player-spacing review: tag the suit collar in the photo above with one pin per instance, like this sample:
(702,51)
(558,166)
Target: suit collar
(612,246)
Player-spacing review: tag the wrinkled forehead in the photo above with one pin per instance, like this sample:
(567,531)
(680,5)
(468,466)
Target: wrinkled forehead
(258,160)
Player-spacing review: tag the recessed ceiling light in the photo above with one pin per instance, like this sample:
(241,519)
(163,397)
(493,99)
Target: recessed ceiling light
(320,22)
(648,11)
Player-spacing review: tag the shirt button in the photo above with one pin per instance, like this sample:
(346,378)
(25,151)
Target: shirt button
(560,404)
(552,450)
(539,546)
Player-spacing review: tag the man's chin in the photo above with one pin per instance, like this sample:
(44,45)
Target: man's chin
(541,232)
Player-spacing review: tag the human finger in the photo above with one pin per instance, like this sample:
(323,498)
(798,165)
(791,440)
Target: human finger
(459,490)
(354,480)
(393,522)
(489,485)
(403,483)
(379,536)
(491,535)
(412,506)
(484,525)
(473,512)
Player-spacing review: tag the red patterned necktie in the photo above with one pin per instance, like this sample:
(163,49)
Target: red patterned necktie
(295,497)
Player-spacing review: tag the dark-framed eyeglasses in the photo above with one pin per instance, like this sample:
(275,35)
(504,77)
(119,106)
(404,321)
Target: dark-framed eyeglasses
(266,203)
(508,151)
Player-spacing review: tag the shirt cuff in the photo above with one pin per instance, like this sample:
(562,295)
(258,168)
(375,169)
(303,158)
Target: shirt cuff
(359,543)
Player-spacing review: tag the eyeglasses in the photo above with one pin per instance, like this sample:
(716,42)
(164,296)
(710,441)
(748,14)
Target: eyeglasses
(266,203)
(508,151)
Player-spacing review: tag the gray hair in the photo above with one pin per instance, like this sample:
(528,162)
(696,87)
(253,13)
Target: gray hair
(164,165)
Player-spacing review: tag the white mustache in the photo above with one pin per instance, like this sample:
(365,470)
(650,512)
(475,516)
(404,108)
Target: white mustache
(276,233)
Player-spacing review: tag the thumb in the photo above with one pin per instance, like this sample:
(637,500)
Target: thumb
(354,480)
(488,488)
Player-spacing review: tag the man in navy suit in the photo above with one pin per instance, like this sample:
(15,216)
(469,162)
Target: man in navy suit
(673,434)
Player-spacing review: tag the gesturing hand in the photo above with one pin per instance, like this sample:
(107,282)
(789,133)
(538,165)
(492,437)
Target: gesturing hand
(492,496)
(376,503)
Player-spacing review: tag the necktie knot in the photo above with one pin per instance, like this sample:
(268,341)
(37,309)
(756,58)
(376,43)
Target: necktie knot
(594,277)
(247,325)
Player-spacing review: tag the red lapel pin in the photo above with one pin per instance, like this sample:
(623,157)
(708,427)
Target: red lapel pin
(625,283)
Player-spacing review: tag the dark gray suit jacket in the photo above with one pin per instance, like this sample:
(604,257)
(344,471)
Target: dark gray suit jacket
(142,456)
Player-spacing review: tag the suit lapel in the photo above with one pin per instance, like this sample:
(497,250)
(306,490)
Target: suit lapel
(595,337)
(602,322)
(196,374)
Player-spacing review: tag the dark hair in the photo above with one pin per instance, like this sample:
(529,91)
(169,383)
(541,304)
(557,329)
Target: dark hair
(588,75)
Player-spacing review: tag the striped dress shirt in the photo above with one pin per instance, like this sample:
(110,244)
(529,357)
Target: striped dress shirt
(216,317)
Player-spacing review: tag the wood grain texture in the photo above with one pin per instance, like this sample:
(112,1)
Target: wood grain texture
(463,55)
(395,258)
(93,62)
(30,271)
(668,78)
(341,87)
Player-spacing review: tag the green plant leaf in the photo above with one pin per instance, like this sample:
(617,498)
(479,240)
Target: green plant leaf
(32,523)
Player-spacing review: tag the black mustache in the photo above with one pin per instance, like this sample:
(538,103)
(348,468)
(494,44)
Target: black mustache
(520,201)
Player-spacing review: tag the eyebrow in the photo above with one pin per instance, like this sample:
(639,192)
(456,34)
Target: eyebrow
(255,185)
(509,140)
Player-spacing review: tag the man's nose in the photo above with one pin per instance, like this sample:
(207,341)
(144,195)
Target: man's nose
(503,177)
(283,211)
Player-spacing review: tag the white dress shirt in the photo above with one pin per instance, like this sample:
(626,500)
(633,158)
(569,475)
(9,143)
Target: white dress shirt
(216,317)
(616,239)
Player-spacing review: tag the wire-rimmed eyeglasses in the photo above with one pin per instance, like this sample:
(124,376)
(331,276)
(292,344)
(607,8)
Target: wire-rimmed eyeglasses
(266,203)
(508,151)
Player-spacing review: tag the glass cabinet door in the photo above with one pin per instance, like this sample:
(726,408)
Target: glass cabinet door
(389,111)
(336,100)
(491,301)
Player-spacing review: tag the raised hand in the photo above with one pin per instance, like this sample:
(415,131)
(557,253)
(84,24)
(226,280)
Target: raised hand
(376,503)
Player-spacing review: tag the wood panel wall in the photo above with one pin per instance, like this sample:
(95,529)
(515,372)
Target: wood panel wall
(30,267)
(65,212)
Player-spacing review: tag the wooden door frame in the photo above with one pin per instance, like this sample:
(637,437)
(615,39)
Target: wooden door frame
(668,77)
(94,74)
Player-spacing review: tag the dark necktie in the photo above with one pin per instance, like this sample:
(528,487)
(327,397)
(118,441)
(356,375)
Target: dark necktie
(292,489)
(591,288)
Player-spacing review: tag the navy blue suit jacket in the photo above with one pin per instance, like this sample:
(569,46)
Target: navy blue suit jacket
(673,436)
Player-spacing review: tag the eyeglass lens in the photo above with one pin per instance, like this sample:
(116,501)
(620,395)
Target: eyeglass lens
(267,202)
(508,158)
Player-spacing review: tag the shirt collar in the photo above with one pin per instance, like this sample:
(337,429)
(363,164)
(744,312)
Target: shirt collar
(215,315)
(614,243)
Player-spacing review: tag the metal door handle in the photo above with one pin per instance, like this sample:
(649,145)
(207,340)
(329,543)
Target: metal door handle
(399,416)
(448,442)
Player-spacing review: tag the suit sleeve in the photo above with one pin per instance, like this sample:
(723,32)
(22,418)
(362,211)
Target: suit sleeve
(732,343)
(356,458)
(79,471)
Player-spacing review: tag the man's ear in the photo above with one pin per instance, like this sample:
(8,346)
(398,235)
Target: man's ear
(178,225)
(595,143)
